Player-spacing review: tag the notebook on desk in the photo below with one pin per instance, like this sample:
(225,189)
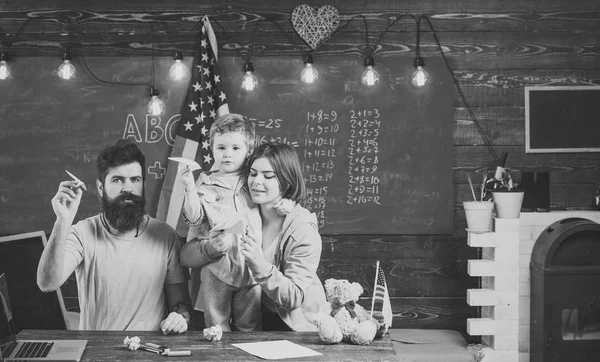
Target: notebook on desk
(14,349)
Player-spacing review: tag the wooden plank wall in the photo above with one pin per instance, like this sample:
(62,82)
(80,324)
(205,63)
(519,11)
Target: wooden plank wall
(494,49)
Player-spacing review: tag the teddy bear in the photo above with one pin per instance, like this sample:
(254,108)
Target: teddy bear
(341,318)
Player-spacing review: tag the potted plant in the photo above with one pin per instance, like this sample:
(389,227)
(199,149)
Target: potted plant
(507,198)
(478,212)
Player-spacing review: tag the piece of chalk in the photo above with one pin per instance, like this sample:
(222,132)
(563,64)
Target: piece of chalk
(177,353)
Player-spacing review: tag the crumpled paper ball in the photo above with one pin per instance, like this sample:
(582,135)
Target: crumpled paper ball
(132,343)
(213,333)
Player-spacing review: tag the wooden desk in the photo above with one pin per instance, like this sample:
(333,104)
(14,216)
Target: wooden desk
(108,346)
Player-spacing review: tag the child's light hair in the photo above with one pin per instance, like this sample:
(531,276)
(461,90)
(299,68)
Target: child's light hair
(232,122)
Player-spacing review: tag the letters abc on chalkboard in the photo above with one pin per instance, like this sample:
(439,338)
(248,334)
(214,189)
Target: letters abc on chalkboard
(376,161)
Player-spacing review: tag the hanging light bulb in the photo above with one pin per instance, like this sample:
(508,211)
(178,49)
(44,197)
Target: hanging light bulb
(4,68)
(66,70)
(249,81)
(309,74)
(419,77)
(156,107)
(369,77)
(178,70)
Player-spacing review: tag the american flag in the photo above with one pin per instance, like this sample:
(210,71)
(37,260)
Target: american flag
(382,297)
(205,100)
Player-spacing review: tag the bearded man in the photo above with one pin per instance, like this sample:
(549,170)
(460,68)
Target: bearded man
(126,262)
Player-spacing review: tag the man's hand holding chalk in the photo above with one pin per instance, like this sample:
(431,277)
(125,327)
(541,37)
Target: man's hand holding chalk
(79,182)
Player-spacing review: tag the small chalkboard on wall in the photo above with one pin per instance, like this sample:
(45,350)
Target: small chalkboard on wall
(561,119)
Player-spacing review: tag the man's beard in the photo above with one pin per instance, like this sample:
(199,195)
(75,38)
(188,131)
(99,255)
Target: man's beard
(122,214)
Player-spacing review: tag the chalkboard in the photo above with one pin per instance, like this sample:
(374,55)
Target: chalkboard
(48,125)
(376,161)
(562,119)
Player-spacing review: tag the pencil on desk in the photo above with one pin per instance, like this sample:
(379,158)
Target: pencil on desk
(151,349)
(177,353)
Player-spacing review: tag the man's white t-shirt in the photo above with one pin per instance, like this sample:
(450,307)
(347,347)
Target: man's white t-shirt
(121,281)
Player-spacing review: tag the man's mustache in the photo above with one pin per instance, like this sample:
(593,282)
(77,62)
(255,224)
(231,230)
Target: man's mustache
(128,197)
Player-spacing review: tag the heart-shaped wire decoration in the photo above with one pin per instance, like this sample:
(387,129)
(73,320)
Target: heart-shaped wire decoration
(315,25)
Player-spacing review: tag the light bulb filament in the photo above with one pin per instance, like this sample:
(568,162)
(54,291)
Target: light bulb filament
(369,76)
(420,77)
(156,107)
(249,81)
(309,74)
(178,71)
(4,70)
(66,70)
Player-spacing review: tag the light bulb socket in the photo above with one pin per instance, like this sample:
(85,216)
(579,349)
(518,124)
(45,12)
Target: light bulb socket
(369,62)
(67,55)
(248,67)
(178,56)
(308,59)
(419,62)
(153,91)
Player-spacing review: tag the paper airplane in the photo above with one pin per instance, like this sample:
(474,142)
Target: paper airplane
(232,226)
(193,165)
(79,182)
(237,228)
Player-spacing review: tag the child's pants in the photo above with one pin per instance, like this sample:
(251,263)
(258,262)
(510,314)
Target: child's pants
(230,307)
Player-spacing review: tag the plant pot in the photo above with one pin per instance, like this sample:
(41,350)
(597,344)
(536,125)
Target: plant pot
(479,216)
(508,203)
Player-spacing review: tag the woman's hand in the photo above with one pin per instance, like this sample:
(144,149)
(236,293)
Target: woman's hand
(252,250)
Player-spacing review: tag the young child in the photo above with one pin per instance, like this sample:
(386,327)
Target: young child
(223,288)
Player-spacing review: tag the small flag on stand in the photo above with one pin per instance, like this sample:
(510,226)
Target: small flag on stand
(381,297)
(204,101)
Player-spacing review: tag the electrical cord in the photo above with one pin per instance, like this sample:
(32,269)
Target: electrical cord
(460,92)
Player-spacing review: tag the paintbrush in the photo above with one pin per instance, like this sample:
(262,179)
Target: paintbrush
(483,184)
(472,188)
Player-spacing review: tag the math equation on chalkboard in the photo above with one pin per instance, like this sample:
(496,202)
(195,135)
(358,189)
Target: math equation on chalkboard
(374,161)
(321,159)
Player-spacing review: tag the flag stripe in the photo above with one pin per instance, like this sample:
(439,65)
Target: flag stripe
(169,181)
(175,203)
(210,34)
(223,109)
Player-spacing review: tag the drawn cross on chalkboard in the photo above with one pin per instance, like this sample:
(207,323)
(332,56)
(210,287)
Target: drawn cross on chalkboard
(157,170)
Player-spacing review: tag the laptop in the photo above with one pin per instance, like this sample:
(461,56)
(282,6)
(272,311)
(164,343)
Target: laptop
(14,349)
(41,350)
(31,308)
